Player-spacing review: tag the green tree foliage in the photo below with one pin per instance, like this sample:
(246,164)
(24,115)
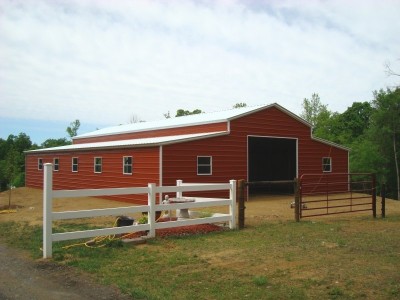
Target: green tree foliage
(345,128)
(370,129)
(314,112)
(49,143)
(12,160)
(12,170)
(240,105)
(72,130)
(385,130)
(12,156)
(356,119)
(182,112)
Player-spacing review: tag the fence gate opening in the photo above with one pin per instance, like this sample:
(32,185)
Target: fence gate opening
(328,194)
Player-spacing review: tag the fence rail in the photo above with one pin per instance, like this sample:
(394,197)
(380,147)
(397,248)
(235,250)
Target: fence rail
(151,190)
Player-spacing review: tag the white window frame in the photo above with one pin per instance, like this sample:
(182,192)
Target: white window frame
(75,164)
(95,164)
(204,165)
(327,164)
(40,163)
(127,165)
(56,165)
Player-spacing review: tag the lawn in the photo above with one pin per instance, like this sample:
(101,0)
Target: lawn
(347,259)
(350,257)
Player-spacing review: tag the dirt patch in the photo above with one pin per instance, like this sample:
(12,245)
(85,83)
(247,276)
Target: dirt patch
(267,208)
(22,278)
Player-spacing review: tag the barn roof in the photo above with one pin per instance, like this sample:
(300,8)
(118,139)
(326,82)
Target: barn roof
(144,142)
(197,119)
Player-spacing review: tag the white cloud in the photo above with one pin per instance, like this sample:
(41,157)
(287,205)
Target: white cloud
(102,61)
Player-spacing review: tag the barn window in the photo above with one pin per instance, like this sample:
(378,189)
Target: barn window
(56,165)
(204,165)
(74,164)
(40,164)
(327,164)
(127,161)
(98,164)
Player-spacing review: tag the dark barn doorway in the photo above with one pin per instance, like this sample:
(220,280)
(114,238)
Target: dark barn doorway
(272,159)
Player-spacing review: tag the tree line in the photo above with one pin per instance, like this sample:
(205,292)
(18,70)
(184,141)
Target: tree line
(370,129)
(12,157)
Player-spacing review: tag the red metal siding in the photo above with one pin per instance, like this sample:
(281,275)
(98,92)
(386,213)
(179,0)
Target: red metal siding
(229,153)
(145,170)
(156,133)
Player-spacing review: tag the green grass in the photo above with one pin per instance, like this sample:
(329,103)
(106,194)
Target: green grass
(357,258)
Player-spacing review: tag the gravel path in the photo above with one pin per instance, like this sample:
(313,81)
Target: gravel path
(24,278)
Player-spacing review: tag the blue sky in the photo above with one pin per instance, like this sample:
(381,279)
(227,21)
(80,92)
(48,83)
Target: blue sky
(103,62)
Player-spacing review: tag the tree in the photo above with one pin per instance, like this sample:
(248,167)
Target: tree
(386,130)
(389,71)
(14,144)
(72,130)
(135,119)
(49,143)
(181,112)
(356,119)
(11,170)
(314,112)
(240,105)
(348,127)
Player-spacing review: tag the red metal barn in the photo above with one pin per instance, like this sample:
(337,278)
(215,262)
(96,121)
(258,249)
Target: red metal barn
(263,143)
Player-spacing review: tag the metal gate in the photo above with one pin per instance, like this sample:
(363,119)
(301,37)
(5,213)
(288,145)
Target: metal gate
(328,194)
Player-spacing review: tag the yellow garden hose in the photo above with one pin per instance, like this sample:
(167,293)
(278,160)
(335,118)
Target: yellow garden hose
(96,242)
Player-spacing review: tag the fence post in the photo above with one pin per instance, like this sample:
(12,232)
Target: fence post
(179,183)
(241,185)
(383,197)
(178,195)
(374,195)
(47,210)
(296,200)
(232,205)
(151,216)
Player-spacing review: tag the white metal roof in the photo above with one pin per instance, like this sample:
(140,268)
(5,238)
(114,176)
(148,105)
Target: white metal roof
(198,119)
(145,142)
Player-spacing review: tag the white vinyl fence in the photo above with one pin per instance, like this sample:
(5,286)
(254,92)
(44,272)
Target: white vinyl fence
(151,190)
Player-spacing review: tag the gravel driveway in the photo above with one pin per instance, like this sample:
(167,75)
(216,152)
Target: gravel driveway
(24,278)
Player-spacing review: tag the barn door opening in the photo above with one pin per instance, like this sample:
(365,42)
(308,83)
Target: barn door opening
(272,159)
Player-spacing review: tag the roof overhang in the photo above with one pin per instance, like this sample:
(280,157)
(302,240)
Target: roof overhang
(330,143)
(132,143)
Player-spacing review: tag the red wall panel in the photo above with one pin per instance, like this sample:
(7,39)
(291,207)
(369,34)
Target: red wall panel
(145,170)
(229,153)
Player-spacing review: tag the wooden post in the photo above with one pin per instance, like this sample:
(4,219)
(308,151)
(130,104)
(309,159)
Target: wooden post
(47,210)
(296,200)
(374,195)
(241,186)
(383,196)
